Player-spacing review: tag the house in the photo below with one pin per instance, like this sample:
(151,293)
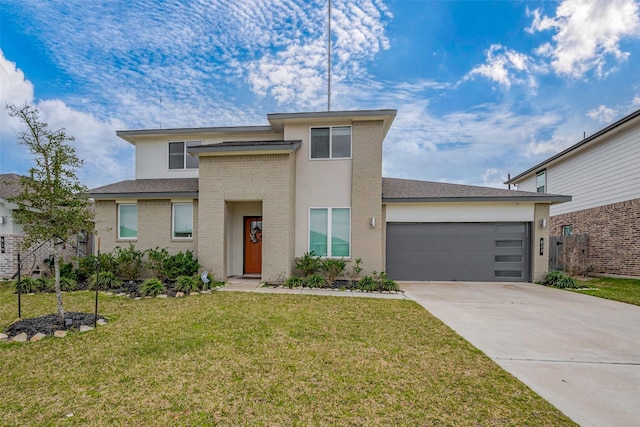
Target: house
(34,260)
(249,200)
(602,173)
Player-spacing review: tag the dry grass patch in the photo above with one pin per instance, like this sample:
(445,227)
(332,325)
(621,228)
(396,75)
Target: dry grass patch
(259,359)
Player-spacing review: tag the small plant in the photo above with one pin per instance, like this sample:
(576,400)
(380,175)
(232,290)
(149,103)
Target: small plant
(558,279)
(104,280)
(314,281)
(86,267)
(367,284)
(332,269)
(385,284)
(294,282)
(309,264)
(156,259)
(152,287)
(68,284)
(356,269)
(26,285)
(44,285)
(187,284)
(180,264)
(129,261)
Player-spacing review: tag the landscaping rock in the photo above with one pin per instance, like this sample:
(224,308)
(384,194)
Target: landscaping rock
(21,337)
(179,294)
(137,298)
(60,334)
(85,328)
(208,291)
(102,322)
(162,296)
(194,293)
(37,337)
(4,336)
(121,294)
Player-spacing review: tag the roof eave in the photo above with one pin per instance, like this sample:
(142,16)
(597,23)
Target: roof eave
(244,149)
(131,135)
(542,199)
(144,195)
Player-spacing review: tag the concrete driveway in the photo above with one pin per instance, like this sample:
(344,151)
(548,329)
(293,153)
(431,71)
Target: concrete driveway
(580,353)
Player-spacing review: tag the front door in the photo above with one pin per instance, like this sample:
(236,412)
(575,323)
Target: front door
(252,245)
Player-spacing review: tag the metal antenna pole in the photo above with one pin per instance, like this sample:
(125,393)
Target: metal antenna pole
(329,57)
(19,286)
(95,318)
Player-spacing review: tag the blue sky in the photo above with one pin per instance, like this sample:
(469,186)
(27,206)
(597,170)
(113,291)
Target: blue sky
(482,88)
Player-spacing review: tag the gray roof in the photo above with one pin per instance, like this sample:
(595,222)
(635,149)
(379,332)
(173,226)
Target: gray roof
(582,143)
(9,185)
(407,190)
(148,188)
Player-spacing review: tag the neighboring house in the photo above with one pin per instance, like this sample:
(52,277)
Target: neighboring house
(602,174)
(250,200)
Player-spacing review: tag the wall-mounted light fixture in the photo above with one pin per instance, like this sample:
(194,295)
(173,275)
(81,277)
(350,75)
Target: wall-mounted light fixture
(372,222)
(543,223)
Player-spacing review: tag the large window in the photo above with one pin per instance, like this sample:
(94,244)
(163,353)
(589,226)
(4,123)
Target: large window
(127,221)
(330,232)
(178,156)
(182,221)
(541,182)
(330,142)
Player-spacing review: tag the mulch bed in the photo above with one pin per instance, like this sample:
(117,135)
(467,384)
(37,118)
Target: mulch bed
(50,323)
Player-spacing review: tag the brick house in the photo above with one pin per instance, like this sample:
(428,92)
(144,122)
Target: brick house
(602,174)
(249,200)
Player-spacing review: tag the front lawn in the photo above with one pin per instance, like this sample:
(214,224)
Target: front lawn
(232,358)
(624,290)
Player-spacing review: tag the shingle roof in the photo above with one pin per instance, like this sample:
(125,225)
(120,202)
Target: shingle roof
(148,188)
(9,185)
(407,190)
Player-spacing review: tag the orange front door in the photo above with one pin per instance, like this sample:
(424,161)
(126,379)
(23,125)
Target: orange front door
(252,245)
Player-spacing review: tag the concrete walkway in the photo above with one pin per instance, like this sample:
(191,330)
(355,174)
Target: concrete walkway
(579,352)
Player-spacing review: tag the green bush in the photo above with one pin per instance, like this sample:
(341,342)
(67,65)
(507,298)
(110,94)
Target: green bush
(187,284)
(86,267)
(129,261)
(367,284)
(105,280)
(180,264)
(309,264)
(156,259)
(332,269)
(385,284)
(66,270)
(559,279)
(356,269)
(44,285)
(26,285)
(152,287)
(314,281)
(68,284)
(294,282)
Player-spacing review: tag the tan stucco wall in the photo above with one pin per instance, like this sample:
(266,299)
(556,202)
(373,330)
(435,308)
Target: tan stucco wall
(267,178)
(154,226)
(540,265)
(366,195)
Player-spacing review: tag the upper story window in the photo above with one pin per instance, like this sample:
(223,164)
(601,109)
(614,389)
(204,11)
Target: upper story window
(332,142)
(178,156)
(127,221)
(541,181)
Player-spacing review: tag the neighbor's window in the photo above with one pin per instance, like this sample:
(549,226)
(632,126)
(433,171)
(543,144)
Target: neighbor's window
(127,221)
(567,230)
(330,231)
(182,221)
(541,182)
(332,142)
(178,156)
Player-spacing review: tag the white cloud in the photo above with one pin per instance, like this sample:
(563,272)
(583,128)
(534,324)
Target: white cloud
(603,114)
(506,67)
(587,34)
(13,88)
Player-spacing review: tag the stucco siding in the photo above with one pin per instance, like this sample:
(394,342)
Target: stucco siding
(460,212)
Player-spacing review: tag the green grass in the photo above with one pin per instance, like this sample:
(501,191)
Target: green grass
(624,290)
(233,358)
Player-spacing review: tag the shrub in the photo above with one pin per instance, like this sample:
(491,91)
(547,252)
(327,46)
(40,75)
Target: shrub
(152,287)
(44,285)
(294,282)
(332,269)
(314,281)
(68,284)
(356,269)
(156,259)
(66,270)
(86,267)
(187,284)
(367,284)
(104,280)
(309,264)
(26,285)
(180,264)
(558,279)
(129,261)
(385,284)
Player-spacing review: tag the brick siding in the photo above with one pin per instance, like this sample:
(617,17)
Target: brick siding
(614,236)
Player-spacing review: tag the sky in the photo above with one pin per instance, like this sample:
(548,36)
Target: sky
(482,88)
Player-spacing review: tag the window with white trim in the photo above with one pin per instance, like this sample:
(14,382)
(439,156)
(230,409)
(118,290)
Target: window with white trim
(182,221)
(178,156)
(567,230)
(541,181)
(128,221)
(332,142)
(330,232)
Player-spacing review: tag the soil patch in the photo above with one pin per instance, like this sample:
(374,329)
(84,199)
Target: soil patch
(50,323)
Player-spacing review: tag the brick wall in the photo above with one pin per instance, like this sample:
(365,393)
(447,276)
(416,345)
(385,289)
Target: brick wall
(366,195)
(540,265)
(614,236)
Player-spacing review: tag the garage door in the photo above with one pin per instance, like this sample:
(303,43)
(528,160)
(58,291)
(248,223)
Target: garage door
(458,251)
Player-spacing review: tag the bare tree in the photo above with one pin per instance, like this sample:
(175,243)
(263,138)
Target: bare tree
(52,204)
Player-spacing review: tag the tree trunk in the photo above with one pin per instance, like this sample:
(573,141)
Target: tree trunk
(56,269)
